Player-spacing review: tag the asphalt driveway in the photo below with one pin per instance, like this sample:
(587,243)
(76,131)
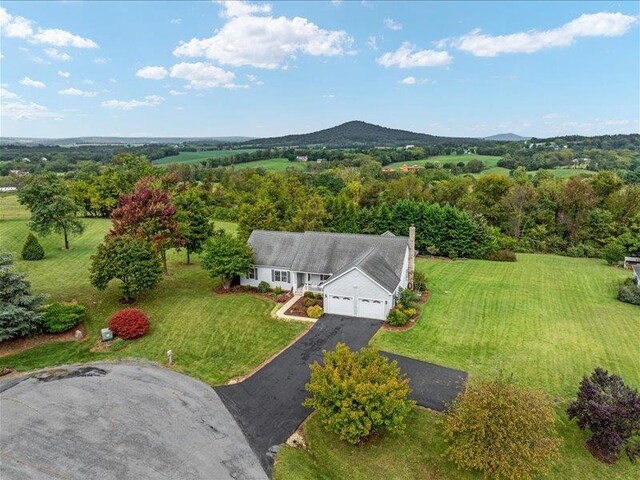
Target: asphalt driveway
(268,405)
(119,421)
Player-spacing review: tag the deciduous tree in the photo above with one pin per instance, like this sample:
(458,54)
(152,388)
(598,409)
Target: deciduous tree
(225,257)
(195,223)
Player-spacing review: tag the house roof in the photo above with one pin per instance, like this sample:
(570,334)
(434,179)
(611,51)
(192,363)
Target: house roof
(379,257)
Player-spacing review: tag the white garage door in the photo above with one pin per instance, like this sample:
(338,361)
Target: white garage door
(340,305)
(370,308)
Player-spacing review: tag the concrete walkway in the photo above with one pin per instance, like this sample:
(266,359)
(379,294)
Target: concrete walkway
(281,311)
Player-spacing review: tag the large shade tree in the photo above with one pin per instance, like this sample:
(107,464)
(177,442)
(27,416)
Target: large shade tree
(226,256)
(149,214)
(52,208)
(19,309)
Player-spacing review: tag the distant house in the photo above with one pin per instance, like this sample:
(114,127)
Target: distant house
(302,158)
(320,160)
(26,159)
(407,147)
(8,188)
(357,275)
(388,171)
(44,159)
(636,274)
(410,168)
(629,262)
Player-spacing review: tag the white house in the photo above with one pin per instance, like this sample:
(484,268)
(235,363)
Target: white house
(636,273)
(358,275)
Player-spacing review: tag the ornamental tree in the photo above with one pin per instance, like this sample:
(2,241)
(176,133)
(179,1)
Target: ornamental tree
(225,257)
(128,259)
(194,221)
(148,214)
(358,394)
(52,208)
(19,309)
(611,411)
(32,250)
(502,430)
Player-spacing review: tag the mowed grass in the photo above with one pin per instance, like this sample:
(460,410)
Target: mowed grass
(545,319)
(10,209)
(489,160)
(213,337)
(197,157)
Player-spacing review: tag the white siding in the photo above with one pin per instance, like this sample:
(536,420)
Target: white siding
(356,284)
(264,275)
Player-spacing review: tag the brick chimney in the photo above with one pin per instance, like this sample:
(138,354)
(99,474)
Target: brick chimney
(412,256)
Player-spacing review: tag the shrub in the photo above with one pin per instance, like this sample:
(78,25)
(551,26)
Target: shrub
(397,318)
(629,292)
(502,430)
(315,311)
(407,298)
(613,253)
(129,323)
(277,290)
(60,317)
(611,410)
(318,296)
(309,295)
(264,287)
(410,312)
(308,302)
(282,298)
(504,255)
(358,394)
(32,250)
(419,281)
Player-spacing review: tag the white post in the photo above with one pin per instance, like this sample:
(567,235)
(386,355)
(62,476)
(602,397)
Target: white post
(170,357)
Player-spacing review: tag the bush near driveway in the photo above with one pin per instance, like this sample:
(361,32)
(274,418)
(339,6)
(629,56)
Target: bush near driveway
(502,430)
(129,323)
(611,410)
(358,394)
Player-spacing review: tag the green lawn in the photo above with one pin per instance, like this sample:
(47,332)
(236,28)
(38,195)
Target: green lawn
(489,160)
(272,164)
(10,209)
(197,157)
(545,319)
(213,337)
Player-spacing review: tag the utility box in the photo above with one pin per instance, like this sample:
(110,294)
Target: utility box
(106,334)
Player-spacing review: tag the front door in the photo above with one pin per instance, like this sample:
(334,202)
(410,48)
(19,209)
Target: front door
(299,279)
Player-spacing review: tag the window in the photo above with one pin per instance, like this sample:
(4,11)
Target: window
(324,277)
(253,274)
(280,276)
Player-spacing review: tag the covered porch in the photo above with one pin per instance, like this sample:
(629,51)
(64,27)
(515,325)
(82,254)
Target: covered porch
(310,282)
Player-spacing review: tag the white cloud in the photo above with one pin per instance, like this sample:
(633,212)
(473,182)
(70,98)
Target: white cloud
(391,24)
(7,95)
(588,25)
(175,21)
(57,55)
(236,8)
(76,92)
(112,80)
(86,81)
(100,60)
(26,111)
(551,116)
(148,101)
(264,41)
(415,81)
(20,27)
(64,74)
(27,82)
(255,80)
(176,92)
(329,95)
(203,75)
(407,57)
(372,42)
(152,73)
(40,61)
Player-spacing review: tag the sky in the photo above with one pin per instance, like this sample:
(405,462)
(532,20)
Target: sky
(82,68)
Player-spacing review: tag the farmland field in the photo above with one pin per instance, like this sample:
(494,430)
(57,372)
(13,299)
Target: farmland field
(489,160)
(545,319)
(272,164)
(213,337)
(197,157)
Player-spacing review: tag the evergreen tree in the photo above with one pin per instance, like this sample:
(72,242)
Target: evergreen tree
(32,250)
(19,315)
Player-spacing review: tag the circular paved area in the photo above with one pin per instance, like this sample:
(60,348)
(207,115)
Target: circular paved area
(119,421)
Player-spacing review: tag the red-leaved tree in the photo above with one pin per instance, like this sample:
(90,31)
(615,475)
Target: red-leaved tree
(149,214)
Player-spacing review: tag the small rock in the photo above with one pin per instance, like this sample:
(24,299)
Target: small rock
(78,335)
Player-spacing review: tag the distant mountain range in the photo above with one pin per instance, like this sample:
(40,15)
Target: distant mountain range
(354,133)
(117,140)
(506,137)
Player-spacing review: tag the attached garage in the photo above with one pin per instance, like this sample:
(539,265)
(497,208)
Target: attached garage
(340,305)
(371,308)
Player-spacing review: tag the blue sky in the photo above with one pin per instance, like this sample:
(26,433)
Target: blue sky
(263,69)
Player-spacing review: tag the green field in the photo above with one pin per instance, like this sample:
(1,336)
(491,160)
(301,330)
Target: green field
(197,157)
(558,172)
(273,164)
(545,319)
(213,337)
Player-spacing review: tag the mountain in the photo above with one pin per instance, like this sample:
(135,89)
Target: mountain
(351,134)
(117,140)
(506,137)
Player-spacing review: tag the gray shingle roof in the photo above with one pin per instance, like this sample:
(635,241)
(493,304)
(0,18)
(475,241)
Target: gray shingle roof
(380,257)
